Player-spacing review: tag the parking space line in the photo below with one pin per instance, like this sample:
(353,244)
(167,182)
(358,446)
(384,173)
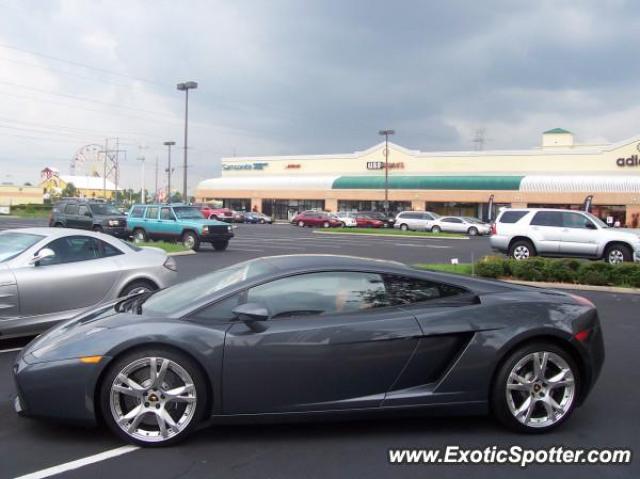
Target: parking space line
(78,463)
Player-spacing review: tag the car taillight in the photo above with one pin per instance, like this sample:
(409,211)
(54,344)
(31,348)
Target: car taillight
(583,335)
(494,229)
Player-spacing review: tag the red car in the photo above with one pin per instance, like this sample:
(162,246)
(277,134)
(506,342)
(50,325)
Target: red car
(315,218)
(366,221)
(210,212)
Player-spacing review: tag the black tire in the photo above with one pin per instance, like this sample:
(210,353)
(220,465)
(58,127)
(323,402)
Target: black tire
(98,229)
(220,245)
(58,225)
(521,250)
(499,397)
(473,231)
(185,362)
(262,221)
(404,227)
(435,229)
(139,235)
(618,253)
(139,284)
(190,240)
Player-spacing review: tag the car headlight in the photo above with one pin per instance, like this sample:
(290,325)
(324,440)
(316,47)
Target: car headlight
(205,229)
(114,222)
(228,228)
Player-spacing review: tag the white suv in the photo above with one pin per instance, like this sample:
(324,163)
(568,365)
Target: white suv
(526,232)
(415,220)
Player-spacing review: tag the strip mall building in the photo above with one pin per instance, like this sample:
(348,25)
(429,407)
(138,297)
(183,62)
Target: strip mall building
(560,173)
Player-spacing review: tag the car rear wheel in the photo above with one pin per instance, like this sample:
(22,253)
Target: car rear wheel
(301,224)
(617,253)
(435,229)
(404,227)
(521,250)
(153,397)
(138,287)
(220,245)
(536,388)
(191,241)
(139,235)
(473,231)
(98,229)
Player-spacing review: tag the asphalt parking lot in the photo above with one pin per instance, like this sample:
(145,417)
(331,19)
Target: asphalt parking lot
(342,449)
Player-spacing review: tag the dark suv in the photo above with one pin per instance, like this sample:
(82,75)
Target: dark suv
(89,215)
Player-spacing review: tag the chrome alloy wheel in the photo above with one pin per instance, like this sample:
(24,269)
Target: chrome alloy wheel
(615,256)
(541,389)
(189,241)
(521,252)
(153,399)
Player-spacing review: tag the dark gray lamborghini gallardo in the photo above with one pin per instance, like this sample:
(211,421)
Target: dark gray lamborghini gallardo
(315,336)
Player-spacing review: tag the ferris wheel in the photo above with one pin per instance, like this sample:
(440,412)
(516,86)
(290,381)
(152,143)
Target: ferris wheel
(91,160)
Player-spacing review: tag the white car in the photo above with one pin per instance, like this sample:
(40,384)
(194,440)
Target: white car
(526,232)
(347,218)
(415,220)
(461,224)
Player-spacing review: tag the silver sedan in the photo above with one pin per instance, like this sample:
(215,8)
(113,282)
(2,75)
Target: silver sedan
(51,274)
(461,224)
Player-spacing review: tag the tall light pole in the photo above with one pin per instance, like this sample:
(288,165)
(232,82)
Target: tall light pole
(169,144)
(186,86)
(386,134)
(143,198)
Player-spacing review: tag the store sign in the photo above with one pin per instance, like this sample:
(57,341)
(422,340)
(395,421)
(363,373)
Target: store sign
(629,161)
(379,165)
(293,166)
(245,166)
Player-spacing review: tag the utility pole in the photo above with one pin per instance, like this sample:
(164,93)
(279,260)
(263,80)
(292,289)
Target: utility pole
(186,86)
(156,190)
(169,144)
(115,193)
(143,198)
(479,139)
(386,134)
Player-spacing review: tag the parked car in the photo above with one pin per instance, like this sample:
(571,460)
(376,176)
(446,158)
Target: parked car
(461,224)
(415,220)
(237,216)
(316,218)
(526,232)
(49,275)
(221,214)
(364,220)
(206,209)
(264,218)
(252,218)
(326,333)
(177,223)
(89,215)
(388,221)
(347,218)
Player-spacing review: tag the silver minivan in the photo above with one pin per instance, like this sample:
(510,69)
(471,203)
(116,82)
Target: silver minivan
(416,220)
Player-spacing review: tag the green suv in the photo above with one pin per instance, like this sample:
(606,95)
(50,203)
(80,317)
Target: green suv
(177,223)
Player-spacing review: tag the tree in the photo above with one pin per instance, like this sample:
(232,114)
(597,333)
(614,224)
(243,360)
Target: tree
(70,190)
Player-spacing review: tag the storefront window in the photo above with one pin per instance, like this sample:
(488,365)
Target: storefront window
(243,204)
(355,205)
(473,210)
(287,209)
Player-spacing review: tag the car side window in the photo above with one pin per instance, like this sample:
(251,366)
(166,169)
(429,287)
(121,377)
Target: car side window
(83,210)
(406,290)
(137,212)
(547,218)
(106,250)
(320,294)
(512,216)
(166,214)
(152,212)
(220,310)
(427,216)
(71,249)
(71,210)
(574,220)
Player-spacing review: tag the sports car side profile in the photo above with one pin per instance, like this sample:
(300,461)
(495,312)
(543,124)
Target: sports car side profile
(314,335)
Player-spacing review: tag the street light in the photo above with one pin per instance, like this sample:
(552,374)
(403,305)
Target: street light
(386,134)
(169,144)
(143,198)
(186,86)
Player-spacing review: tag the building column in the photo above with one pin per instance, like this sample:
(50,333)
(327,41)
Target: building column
(631,211)
(331,204)
(256,203)
(417,205)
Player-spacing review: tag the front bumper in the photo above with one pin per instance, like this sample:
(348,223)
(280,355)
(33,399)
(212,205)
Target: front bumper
(117,231)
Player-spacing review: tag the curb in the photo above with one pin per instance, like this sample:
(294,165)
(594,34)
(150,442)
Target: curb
(401,236)
(182,253)
(579,287)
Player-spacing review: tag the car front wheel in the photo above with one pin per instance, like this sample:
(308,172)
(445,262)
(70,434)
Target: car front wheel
(617,253)
(301,224)
(536,388)
(190,241)
(435,229)
(404,227)
(153,397)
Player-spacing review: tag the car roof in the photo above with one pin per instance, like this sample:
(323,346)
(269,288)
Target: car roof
(59,232)
(310,261)
(541,209)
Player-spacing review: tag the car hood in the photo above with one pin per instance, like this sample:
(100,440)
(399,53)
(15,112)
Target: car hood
(202,222)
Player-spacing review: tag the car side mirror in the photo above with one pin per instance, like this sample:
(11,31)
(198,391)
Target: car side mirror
(44,253)
(251,312)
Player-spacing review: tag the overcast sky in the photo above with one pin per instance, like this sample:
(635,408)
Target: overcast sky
(307,76)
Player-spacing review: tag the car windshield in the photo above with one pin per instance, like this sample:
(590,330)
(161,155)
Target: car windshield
(177,298)
(597,220)
(13,243)
(187,213)
(105,210)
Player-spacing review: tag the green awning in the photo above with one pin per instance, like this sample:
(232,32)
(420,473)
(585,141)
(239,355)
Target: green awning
(487,183)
